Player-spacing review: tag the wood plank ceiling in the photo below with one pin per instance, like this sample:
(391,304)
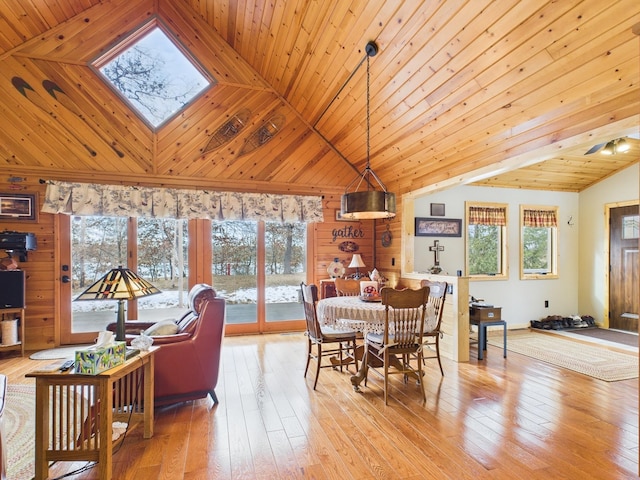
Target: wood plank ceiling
(461,91)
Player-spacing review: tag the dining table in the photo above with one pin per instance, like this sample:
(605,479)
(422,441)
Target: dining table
(352,312)
(366,315)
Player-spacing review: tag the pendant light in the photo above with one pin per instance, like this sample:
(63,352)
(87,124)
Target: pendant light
(370,203)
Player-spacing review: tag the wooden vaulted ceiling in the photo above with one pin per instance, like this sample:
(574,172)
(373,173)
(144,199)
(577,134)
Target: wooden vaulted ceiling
(503,93)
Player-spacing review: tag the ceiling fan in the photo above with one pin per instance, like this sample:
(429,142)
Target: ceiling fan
(618,145)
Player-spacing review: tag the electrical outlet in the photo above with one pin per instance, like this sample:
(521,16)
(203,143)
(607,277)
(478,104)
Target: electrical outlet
(546,304)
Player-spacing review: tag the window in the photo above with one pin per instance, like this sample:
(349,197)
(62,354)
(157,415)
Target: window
(154,76)
(486,240)
(538,242)
(257,267)
(102,243)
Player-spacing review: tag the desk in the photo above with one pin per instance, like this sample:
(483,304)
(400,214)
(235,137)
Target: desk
(75,413)
(482,335)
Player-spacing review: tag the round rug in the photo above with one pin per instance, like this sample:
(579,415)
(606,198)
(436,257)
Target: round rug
(56,353)
(20,430)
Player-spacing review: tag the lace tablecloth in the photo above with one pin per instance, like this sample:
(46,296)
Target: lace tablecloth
(351,312)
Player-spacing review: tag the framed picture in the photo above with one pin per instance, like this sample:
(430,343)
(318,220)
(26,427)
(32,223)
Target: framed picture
(340,218)
(437,209)
(438,227)
(18,206)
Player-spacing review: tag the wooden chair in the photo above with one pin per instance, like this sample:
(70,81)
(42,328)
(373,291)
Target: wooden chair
(402,337)
(341,342)
(433,333)
(347,287)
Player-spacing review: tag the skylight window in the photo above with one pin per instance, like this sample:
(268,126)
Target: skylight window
(154,75)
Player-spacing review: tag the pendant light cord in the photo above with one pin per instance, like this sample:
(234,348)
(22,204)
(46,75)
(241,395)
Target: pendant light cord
(368,122)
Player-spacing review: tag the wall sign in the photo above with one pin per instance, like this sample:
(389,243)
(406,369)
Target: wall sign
(349,231)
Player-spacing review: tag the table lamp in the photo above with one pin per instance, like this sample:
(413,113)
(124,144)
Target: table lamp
(357,263)
(119,284)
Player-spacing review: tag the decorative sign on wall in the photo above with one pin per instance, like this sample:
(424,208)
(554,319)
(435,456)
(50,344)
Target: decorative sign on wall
(438,227)
(348,247)
(349,231)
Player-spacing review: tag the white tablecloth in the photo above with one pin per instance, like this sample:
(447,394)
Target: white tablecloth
(351,312)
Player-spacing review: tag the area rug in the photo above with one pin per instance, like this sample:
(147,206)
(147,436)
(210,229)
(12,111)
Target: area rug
(19,427)
(56,353)
(589,359)
(608,335)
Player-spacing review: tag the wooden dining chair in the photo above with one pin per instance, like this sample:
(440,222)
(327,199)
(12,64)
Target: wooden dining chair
(402,337)
(347,287)
(341,342)
(432,331)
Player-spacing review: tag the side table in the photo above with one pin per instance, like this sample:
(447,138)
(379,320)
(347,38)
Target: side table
(75,412)
(482,335)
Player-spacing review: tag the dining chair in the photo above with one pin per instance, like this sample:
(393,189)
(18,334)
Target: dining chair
(432,331)
(402,337)
(347,287)
(341,342)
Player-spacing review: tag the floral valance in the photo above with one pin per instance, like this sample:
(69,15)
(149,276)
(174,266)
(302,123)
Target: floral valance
(130,201)
(539,218)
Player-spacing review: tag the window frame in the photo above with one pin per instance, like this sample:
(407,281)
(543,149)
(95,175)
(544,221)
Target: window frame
(503,254)
(553,236)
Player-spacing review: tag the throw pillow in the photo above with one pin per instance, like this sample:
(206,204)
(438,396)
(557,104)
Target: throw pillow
(165,327)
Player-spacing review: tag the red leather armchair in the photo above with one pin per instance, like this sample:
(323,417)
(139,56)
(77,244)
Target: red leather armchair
(187,363)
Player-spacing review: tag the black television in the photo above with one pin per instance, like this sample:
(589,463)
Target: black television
(12,287)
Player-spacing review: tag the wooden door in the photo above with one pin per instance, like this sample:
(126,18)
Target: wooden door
(623,268)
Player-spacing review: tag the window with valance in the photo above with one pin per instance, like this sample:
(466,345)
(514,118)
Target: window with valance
(486,254)
(538,242)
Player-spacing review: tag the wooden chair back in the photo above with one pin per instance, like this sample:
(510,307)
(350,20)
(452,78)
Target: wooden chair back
(406,310)
(437,296)
(309,299)
(347,287)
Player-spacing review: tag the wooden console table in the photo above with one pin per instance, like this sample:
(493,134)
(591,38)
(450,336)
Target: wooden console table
(75,413)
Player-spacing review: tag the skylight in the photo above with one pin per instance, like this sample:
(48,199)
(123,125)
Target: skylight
(154,75)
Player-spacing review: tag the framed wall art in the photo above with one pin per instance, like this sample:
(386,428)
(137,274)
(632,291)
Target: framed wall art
(340,218)
(437,209)
(18,206)
(438,227)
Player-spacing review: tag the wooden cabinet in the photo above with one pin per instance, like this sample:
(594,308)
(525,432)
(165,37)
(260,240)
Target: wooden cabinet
(7,344)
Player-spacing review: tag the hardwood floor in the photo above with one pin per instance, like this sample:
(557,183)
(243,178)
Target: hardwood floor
(494,419)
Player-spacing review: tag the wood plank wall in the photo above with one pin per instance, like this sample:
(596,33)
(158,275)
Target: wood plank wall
(41,273)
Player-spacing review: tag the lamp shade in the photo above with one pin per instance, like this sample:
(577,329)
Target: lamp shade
(368,204)
(118,284)
(356,261)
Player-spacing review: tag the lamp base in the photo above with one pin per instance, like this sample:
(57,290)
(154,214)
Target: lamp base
(120,326)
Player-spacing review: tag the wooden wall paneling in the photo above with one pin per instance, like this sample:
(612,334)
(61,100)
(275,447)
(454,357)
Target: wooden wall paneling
(115,120)
(207,46)
(200,120)
(87,35)
(46,132)
(41,299)
(327,249)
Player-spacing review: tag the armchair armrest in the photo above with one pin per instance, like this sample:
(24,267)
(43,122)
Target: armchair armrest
(168,339)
